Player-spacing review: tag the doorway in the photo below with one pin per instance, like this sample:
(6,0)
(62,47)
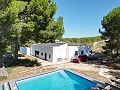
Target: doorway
(45,56)
(36,53)
(82,52)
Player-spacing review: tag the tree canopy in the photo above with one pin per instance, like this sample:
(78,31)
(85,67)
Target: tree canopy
(41,16)
(10,24)
(22,21)
(82,41)
(3,41)
(4,4)
(111,33)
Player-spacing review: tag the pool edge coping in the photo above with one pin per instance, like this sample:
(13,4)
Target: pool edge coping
(14,86)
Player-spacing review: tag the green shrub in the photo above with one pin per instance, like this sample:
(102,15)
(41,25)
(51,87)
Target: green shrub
(9,69)
(2,78)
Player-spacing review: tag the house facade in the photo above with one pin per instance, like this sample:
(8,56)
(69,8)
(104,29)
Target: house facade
(50,52)
(85,50)
(55,52)
(75,51)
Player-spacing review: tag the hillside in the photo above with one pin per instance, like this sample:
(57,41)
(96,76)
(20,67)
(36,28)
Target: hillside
(96,43)
(97,46)
(82,41)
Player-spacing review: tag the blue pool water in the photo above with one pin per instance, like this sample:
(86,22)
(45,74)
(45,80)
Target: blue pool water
(58,80)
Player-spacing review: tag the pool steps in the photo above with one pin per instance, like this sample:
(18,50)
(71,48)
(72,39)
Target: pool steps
(64,75)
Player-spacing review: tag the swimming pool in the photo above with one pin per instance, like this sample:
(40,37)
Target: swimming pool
(56,80)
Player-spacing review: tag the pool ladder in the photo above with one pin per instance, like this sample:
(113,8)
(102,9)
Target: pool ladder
(6,86)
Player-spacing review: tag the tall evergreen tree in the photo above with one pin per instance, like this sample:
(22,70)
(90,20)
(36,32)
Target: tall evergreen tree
(3,34)
(11,24)
(111,24)
(41,15)
(23,22)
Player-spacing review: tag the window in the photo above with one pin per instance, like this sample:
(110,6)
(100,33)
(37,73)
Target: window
(42,54)
(76,52)
(82,52)
(49,56)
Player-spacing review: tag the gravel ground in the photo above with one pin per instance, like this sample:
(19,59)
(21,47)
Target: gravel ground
(87,69)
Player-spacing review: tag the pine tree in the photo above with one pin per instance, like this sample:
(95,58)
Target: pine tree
(111,24)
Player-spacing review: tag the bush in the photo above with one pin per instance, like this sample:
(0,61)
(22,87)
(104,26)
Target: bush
(3,78)
(9,69)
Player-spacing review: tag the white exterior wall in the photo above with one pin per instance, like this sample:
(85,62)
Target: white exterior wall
(71,51)
(85,49)
(42,49)
(60,52)
(63,51)
(33,48)
(28,51)
(25,50)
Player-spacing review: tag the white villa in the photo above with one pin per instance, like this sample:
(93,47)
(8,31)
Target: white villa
(55,52)
(51,52)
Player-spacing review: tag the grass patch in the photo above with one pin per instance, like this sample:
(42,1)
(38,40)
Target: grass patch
(3,78)
(9,69)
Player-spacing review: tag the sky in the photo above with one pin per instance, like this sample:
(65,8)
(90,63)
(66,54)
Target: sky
(82,18)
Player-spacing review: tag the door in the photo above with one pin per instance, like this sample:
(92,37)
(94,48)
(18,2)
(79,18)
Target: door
(45,56)
(82,52)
